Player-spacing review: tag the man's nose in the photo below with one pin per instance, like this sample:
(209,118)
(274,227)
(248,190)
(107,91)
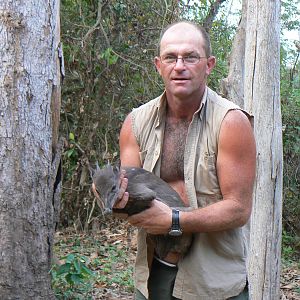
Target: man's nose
(179,64)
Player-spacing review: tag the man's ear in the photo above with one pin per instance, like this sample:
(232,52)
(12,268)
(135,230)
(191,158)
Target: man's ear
(211,62)
(157,63)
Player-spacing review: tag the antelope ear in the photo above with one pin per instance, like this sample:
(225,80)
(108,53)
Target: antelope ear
(109,168)
(92,171)
(116,170)
(97,166)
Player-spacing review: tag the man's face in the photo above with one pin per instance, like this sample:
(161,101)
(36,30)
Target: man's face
(181,79)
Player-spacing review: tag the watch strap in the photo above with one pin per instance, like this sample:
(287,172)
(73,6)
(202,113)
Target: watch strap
(175,219)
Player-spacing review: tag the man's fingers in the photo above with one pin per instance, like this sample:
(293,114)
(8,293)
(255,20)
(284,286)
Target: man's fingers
(122,176)
(123,187)
(123,201)
(136,219)
(123,196)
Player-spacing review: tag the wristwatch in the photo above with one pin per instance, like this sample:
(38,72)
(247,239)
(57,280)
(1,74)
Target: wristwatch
(175,228)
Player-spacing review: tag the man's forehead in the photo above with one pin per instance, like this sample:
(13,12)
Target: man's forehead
(183,36)
(179,49)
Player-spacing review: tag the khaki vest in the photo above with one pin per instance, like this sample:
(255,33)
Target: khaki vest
(215,266)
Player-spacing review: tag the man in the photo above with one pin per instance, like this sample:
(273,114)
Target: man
(203,146)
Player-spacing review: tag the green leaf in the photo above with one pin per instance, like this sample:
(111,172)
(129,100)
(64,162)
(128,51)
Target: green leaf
(76,279)
(77,266)
(69,278)
(86,270)
(112,59)
(71,136)
(65,268)
(70,258)
(109,56)
(70,152)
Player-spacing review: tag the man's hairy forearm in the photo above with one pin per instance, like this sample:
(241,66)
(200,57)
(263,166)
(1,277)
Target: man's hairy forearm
(223,215)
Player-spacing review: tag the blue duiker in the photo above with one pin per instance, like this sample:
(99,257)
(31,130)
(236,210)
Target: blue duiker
(143,187)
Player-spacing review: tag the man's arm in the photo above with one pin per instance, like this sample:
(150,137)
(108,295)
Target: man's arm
(129,155)
(129,149)
(236,164)
(236,174)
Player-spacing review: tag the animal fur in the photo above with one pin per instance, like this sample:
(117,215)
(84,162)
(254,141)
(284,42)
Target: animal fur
(143,187)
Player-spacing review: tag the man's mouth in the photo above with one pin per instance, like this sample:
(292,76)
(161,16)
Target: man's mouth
(180,79)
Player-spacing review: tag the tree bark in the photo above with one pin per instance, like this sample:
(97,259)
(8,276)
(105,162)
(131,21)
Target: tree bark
(29,152)
(262,98)
(254,83)
(232,87)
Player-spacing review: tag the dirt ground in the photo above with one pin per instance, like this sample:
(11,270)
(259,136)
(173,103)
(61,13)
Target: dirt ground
(111,252)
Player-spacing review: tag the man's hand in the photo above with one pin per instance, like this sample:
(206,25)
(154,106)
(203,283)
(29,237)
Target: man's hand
(123,195)
(155,220)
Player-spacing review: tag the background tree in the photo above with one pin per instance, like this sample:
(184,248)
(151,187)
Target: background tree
(290,100)
(262,97)
(29,153)
(256,64)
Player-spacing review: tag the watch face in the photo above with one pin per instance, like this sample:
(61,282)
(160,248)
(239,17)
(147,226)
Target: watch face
(175,232)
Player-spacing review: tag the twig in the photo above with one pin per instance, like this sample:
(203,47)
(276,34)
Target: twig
(127,60)
(106,131)
(137,65)
(213,11)
(79,148)
(165,16)
(293,69)
(95,26)
(91,212)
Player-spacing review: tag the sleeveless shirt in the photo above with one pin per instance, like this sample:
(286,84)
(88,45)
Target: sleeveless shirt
(215,266)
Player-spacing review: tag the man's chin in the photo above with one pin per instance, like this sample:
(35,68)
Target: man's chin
(180,92)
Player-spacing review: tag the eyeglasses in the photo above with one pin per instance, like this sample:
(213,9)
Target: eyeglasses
(187,60)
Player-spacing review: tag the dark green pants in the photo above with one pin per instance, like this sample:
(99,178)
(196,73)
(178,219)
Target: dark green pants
(161,282)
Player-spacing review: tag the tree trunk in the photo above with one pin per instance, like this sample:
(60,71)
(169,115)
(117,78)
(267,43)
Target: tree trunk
(256,87)
(262,98)
(213,11)
(232,87)
(29,152)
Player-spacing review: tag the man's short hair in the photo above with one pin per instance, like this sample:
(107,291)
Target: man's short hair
(207,44)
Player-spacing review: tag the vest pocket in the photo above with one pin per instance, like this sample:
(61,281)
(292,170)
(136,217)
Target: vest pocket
(210,161)
(206,172)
